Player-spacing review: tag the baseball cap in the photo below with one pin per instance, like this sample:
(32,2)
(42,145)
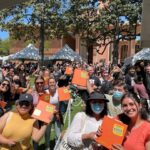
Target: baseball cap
(26,97)
(98,96)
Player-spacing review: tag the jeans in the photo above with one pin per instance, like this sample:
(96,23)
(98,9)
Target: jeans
(57,126)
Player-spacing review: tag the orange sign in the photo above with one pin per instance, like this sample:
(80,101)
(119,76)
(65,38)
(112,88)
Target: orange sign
(44,97)
(64,94)
(2,104)
(43,111)
(69,71)
(80,77)
(113,132)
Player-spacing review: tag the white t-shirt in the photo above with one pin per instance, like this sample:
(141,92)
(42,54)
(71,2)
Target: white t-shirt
(54,99)
(82,124)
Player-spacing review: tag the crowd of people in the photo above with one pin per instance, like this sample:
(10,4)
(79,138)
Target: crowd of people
(110,91)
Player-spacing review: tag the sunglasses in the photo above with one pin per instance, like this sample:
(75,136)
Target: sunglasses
(24,103)
(5,84)
(39,82)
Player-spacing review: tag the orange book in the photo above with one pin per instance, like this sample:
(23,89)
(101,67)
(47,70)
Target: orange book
(80,77)
(44,97)
(2,104)
(113,132)
(64,94)
(69,71)
(43,111)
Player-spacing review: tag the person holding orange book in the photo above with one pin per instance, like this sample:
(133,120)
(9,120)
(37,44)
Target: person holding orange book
(83,130)
(17,127)
(39,90)
(57,120)
(135,116)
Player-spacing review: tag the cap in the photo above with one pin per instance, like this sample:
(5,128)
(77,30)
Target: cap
(26,97)
(98,96)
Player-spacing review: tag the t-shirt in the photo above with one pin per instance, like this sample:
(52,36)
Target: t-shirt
(113,110)
(141,90)
(54,99)
(20,130)
(137,138)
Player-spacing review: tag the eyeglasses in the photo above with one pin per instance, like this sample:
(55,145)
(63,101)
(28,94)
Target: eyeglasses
(5,84)
(39,82)
(24,103)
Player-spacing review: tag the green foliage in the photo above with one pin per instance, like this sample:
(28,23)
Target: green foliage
(4,47)
(38,20)
(119,20)
(35,21)
(25,19)
(116,20)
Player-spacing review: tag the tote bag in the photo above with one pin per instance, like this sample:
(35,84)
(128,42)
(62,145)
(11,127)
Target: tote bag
(63,145)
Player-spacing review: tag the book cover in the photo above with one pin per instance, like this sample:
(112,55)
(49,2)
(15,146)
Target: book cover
(64,94)
(43,111)
(113,132)
(80,77)
(68,71)
(44,97)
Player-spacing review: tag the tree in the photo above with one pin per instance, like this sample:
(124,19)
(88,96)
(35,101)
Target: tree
(35,20)
(81,17)
(4,47)
(116,21)
(119,20)
(42,19)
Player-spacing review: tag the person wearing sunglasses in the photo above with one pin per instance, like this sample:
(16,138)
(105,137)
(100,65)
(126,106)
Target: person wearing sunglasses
(17,127)
(39,89)
(5,95)
(5,89)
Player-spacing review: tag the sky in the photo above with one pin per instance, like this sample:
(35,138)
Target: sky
(4,35)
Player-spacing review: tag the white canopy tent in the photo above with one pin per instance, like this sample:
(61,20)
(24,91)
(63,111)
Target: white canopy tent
(144,54)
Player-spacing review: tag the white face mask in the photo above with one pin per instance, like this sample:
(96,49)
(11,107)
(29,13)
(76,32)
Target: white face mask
(97,108)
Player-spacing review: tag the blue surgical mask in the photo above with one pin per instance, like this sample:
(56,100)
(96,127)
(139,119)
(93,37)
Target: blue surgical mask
(97,108)
(117,95)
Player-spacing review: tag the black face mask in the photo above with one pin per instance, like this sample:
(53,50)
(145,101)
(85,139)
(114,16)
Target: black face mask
(24,103)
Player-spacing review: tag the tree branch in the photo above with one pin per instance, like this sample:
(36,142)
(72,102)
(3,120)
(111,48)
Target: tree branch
(104,48)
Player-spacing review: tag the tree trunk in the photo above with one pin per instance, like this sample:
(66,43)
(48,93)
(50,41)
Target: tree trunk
(90,54)
(115,52)
(42,40)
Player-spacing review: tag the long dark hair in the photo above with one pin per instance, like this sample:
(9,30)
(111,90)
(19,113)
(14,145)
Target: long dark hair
(89,111)
(136,98)
(7,94)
